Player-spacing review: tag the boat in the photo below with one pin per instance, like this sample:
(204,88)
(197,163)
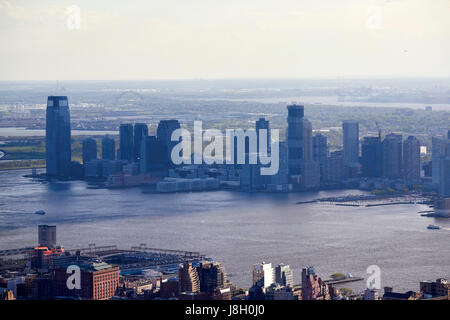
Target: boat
(40,212)
(433,227)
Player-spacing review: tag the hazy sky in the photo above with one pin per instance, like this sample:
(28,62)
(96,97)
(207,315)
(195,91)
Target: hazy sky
(172,39)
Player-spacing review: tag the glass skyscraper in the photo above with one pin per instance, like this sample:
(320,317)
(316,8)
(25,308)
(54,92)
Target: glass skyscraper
(126,142)
(350,131)
(57,136)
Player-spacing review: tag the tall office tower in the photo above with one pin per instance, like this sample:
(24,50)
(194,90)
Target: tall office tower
(263,275)
(284,275)
(57,136)
(47,236)
(392,156)
(188,278)
(89,150)
(444,181)
(320,152)
(350,131)
(263,124)
(212,276)
(299,138)
(126,142)
(164,133)
(335,167)
(140,132)
(153,155)
(108,149)
(294,137)
(307,140)
(371,157)
(281,178)
(436,144)
(411,160)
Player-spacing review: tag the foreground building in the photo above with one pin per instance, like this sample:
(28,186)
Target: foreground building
(99,281)
(57,137)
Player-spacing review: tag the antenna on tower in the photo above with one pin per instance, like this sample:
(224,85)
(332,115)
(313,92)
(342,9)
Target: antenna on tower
(378,128)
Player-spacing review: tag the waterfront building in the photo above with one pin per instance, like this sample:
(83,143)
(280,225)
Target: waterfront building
(126,142)
(284,275)
(153,155)
(263,124)
(47,236)
(350,133)
(279,182)
(108,149)
(57,136)
(89,150)
(263,275)
(436,143)
(310,177)
(392,156)
(295,138)
(140,132)
(313,288)
(99,281)
(444,169)
(335,167)
(164,134)
(94,168)
(411,160)
(188,278)
(320,153)
(371,159)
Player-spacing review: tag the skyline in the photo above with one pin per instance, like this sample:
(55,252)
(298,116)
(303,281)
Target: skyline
(176,40)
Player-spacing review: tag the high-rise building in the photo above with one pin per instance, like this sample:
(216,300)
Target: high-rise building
(307,140)
(164,134)
(263,124)
(294,138)
(108,149)
(371,157)
(320,152)
(47,236)
(350,130)
(436,143)
(284,276)
(89,150)
(57,136)
(335,167)
(153,155)
(126,142)
(392,156)
(310,174)
(188,278)
(444,180)
(212,276)
(411,160)
(263,275)
(140,132)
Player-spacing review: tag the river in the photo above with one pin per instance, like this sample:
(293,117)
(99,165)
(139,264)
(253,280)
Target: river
(237,229)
